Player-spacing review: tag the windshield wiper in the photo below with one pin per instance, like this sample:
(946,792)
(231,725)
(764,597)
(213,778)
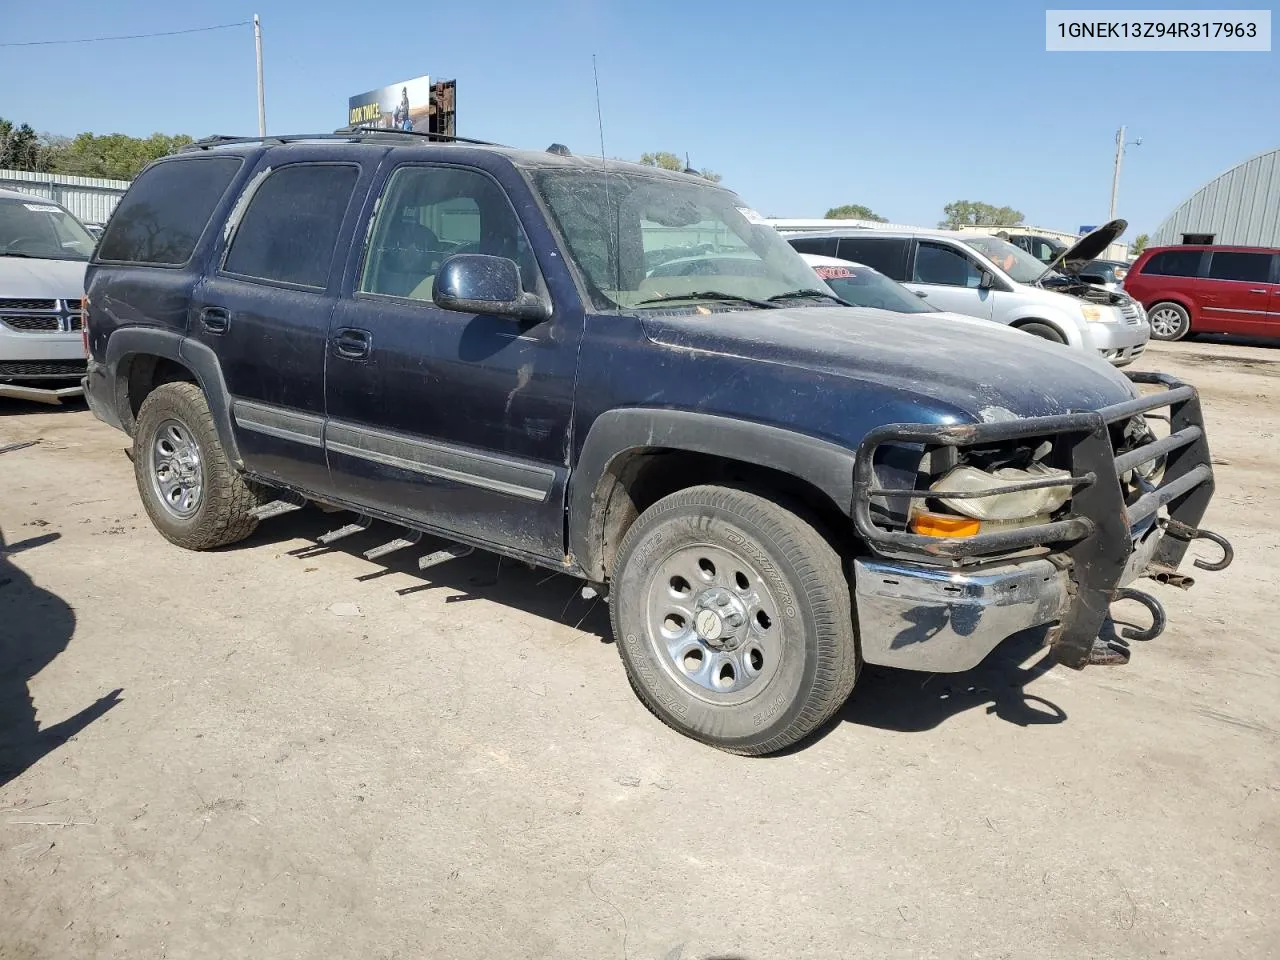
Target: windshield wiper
(25,256)
(709,295)
(808,295)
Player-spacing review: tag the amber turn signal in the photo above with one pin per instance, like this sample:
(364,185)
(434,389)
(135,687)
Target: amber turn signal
(944,525)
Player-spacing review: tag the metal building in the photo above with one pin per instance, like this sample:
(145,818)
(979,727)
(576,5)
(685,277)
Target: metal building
(1241,207)
(91,199)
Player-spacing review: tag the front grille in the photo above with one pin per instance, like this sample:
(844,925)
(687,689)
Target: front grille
(29,324)
(18,369)
(1130,312)
(77,321)
(10,303)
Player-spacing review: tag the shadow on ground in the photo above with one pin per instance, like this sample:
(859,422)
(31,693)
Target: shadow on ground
(908,701)
(885,698)
(37,626)
(543,593)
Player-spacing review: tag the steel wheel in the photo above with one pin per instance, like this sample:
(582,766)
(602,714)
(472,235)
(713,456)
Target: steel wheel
(1168,321)
(711,624)
(177,476)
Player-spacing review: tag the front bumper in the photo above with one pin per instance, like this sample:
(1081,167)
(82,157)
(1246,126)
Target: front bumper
(942,604)
(1120,343)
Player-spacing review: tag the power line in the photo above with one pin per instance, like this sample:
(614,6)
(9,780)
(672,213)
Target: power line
(132,36)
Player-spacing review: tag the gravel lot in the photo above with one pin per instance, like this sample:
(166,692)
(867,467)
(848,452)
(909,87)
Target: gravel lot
(312,755)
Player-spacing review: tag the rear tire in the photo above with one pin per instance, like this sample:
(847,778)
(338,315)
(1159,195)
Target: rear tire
(733,619)
(1169,321)
(1043,331)
(191,492)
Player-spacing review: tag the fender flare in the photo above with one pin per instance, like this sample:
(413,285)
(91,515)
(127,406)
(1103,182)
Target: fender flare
(196,357)
(618,433)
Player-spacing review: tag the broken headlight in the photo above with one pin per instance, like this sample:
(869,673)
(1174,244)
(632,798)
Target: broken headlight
(1010,505)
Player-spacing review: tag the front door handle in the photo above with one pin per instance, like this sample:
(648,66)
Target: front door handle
(1258,291)
(215,319)
(352,343)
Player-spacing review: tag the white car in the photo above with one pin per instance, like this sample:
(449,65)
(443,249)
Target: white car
(43,252)
(991,279)
(860,285)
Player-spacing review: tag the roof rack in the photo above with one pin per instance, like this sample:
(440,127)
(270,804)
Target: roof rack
(350,134)
(442,137)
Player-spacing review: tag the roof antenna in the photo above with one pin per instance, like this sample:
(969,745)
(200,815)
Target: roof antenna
(615,255)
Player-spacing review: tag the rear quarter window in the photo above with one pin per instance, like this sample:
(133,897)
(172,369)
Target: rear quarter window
(164,214)
(886,254)
(820,246)
(1173,263)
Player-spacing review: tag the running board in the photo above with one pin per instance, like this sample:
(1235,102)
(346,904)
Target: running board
(455,552)
(392,546)
(363,523)
(286,504)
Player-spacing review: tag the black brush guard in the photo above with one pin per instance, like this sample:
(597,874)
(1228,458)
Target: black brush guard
(1098,535)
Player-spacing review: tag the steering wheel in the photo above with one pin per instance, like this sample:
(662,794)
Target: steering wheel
(18,241)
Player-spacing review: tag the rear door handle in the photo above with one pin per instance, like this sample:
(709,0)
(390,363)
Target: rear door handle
(215,319)
(1257,291)
(352,343)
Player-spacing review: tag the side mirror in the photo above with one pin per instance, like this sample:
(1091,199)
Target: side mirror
(476,283)
(986,281)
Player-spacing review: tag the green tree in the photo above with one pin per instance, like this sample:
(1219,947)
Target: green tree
(854,211)
(113,155)
(20,148)
(1140,243)
(975,213)
(669,161)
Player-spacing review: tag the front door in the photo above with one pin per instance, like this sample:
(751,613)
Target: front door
(265,312)
(458,422)
(1236,292)
(950,280)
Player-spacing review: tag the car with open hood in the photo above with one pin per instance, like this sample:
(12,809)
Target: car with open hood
(991,279)
(770,487)
(43,253)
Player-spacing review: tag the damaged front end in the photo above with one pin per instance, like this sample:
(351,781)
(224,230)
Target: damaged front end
(982,530)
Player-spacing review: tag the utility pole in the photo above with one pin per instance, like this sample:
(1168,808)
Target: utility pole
(1115,178)
(262,95)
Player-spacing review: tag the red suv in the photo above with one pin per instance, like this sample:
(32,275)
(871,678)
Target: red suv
(1208,290)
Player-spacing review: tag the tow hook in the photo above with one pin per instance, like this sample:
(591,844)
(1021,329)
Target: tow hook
(1184,532)
(1154,607)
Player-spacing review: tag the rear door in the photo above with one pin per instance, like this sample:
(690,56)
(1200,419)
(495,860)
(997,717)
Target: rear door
(265,311)
(1237,291)
(949,279)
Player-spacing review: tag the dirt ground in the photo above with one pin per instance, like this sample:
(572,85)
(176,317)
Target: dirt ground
(272,751)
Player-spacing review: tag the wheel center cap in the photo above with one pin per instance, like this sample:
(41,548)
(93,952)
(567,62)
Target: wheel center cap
(709,625)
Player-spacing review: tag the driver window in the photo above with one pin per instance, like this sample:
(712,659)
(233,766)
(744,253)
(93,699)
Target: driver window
(944,266)
(427,215)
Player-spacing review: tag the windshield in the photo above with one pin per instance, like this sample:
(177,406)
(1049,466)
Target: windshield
(1016,262)
(864,287)
(638,238)
(37,228)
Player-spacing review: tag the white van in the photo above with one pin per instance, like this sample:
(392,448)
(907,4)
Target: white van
(43,253)
(991,279)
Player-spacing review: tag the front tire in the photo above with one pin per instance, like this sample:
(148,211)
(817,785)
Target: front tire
(192,493)
(1043,331)
(1169,321)
(733,619)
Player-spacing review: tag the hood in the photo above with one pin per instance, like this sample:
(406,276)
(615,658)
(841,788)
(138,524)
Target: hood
(23,278)
(975,369)
(1088,248)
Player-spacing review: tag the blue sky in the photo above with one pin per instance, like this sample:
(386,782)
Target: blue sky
(903,106)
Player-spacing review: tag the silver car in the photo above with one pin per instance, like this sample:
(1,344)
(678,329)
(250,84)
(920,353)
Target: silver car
(991,279)
(43,252)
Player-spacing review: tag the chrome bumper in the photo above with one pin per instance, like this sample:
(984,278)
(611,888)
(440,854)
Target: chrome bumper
(944,621)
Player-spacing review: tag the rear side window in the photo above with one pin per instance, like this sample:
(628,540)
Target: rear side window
(1232,265)
(1174,263)
(160,220)
(289,229)
(887,255)
(822,246)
